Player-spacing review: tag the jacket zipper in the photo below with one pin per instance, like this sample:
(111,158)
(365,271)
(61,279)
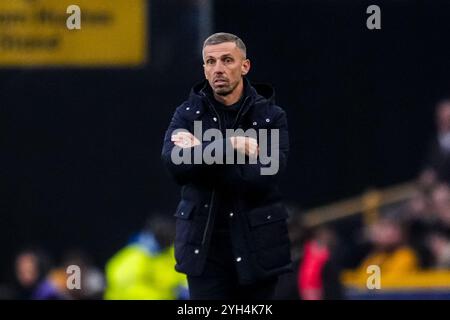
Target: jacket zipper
(211,202)
(209,217)
(208,221)
(241,112)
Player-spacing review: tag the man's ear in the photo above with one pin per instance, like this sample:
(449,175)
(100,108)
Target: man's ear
(204,71)
(245,67)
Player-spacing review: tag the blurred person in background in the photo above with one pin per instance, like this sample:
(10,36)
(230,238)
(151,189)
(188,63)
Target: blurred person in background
(440,197)
(420,220)
(33,281)
(143,269)
(390,251)
(437,166)
(418,207)
(439,243)
(92,282)
(318,273)
(427,217)
(92,278)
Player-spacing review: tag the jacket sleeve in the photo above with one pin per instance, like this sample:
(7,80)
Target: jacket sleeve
(187,172)
(239,176)
(250,176)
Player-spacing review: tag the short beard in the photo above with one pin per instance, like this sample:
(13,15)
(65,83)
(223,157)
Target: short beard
(224,91)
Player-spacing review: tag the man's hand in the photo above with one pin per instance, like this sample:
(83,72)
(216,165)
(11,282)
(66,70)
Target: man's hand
(245,145)
(185,140)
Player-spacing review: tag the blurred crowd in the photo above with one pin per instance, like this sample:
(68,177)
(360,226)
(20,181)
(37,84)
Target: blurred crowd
(142,269)
(410,236)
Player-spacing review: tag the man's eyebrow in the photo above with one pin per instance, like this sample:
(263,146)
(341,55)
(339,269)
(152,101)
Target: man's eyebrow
(226,55)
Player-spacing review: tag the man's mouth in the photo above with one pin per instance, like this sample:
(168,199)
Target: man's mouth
(220,82)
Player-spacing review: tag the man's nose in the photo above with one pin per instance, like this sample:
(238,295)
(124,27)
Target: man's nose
(218,67)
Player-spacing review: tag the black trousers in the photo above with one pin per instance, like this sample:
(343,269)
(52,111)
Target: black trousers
(219,280)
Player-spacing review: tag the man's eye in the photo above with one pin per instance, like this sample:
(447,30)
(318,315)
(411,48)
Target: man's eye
(210,61)
(228,60)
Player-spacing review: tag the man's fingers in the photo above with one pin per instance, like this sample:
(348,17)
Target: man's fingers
(183,144)
(181,135)
(247,145)
(184,134)
(251,147)
(184,139)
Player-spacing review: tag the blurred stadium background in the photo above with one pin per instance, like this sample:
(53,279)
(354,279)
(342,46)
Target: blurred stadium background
(82,123)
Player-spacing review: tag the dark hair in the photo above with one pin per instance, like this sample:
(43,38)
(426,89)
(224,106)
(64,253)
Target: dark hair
(162,227)
(222,37)
(443,102)
(43,260)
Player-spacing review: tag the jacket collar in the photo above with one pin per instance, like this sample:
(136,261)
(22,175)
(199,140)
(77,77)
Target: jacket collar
(257,104)
(257,94)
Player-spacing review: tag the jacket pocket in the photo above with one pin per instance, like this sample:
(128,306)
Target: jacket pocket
(268,226)
(267,215)
(269,233)
(183,227)
(184,209)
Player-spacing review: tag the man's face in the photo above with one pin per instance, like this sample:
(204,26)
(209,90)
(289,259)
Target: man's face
(443,117)
(27,270)
(224,66)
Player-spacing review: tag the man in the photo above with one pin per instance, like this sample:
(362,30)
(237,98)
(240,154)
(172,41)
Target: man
(231,234)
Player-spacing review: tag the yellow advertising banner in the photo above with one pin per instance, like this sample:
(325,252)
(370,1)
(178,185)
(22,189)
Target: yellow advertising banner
(77,33)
